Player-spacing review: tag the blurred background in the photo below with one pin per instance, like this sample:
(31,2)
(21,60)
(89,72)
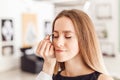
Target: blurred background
(23,23)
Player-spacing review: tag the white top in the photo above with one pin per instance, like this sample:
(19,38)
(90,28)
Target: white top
(43,76)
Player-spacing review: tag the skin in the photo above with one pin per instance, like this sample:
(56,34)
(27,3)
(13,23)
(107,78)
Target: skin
(65,50)
(65,40)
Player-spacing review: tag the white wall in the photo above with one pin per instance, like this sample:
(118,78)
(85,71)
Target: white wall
(14,9)
(112,24)
(112,64)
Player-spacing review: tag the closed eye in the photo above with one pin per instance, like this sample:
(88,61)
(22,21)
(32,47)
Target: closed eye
(68,37)
(57,36)
(54,36)
(65,37)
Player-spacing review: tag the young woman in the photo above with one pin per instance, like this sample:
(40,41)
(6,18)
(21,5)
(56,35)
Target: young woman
(74,53)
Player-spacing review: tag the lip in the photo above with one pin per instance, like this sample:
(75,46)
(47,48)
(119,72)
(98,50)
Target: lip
(58,50)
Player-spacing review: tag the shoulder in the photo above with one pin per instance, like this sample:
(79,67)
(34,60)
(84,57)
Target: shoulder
(104,77)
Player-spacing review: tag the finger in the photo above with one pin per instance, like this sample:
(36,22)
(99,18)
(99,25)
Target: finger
(47,37)
(42,42)
(42,48)
(47,49)
(38,47)
(52,51)
(39,53)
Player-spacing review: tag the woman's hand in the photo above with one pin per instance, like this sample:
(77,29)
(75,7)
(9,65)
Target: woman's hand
(45,50)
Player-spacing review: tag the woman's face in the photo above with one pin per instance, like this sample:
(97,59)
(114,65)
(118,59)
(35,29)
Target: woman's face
(65,40)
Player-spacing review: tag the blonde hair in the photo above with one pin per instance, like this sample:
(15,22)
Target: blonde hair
(87,40)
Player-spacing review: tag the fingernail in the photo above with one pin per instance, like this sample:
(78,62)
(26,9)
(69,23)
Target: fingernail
(47,37)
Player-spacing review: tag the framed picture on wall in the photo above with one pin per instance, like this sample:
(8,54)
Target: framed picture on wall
(101,30)
(7,30)
(103,11)
(107,49)
(29,29)
(7,50)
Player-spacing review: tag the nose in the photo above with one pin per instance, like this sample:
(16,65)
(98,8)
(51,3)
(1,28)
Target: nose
(59,42)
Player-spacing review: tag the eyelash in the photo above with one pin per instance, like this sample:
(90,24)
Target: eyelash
(68,37)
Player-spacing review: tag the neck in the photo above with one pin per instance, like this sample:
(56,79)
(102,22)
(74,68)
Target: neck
(76,67)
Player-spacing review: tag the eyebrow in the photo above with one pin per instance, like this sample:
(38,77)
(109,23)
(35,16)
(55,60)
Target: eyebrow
(64,32)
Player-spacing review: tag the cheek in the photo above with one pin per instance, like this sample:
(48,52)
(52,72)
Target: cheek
(73,46)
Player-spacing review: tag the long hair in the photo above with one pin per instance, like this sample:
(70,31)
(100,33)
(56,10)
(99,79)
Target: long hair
(89,48)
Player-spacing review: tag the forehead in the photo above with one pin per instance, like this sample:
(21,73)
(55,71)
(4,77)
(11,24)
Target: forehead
(64,24)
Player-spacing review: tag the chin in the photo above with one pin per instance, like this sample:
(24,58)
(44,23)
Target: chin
(61,60)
